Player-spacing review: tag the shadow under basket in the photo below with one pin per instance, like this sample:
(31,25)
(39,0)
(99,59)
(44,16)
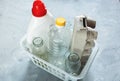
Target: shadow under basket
(59,72)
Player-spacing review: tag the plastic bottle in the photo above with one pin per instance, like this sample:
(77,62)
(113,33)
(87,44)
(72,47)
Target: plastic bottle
(37,34)
(58,45)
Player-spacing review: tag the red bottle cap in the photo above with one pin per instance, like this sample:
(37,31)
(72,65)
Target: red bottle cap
(38,9)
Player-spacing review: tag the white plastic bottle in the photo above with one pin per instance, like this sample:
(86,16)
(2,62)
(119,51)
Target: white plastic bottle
(37,34)
(58,43)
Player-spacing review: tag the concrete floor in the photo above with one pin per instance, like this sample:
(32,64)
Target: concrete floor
(15,15)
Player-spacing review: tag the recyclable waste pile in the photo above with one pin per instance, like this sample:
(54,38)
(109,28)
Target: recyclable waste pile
(52,41)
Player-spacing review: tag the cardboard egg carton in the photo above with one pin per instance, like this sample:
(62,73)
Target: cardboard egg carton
(84,36)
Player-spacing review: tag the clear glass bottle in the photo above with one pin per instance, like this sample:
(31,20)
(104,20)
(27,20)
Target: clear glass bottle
(57,43)
(38,48)
(73,64)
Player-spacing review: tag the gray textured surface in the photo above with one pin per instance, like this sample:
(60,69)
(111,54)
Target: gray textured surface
(14,20)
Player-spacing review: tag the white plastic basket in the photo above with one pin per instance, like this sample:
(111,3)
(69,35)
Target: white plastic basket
(58,72)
